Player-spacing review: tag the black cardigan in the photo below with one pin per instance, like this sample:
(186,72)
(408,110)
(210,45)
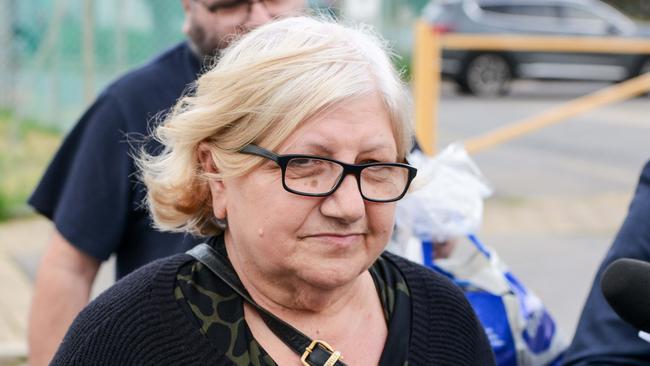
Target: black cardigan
(139,322)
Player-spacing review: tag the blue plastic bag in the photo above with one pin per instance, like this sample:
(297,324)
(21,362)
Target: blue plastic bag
(446,205)
(518,326)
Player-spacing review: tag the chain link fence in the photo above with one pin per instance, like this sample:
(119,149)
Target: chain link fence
(57,54)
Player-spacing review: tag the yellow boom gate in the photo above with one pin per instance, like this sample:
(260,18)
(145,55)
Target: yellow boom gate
(427,60)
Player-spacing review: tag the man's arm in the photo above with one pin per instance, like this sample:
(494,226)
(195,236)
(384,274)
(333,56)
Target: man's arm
(63,283)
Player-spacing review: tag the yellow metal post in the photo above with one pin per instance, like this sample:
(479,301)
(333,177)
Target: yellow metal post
(426,85)
(501,42)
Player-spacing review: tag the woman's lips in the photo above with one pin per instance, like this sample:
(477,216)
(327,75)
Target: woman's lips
(337,239)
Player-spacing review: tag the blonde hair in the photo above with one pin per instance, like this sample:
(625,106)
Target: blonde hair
(264,85)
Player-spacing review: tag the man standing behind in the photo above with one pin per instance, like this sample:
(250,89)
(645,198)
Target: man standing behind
(90,191)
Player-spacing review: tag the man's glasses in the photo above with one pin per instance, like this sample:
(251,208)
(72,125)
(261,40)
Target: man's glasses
(316,176)
(241,8)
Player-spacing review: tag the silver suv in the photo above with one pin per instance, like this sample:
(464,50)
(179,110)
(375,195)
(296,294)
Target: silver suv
(489,73)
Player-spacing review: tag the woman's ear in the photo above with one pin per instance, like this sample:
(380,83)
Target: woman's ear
(217,188)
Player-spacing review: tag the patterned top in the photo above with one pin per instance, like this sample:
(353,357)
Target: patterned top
(139,321)
(218,311)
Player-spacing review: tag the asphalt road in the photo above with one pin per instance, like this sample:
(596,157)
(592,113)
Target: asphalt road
(571,181)
(601,151)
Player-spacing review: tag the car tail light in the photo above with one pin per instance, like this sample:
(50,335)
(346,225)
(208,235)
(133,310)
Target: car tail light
(442,28)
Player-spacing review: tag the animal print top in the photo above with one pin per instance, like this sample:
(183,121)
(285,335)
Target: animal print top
(218,312)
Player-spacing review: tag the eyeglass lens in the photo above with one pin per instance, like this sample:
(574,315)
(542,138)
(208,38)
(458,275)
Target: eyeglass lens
(317,176)
(240,9)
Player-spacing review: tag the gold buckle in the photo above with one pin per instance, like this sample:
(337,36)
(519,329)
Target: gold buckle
(336,355)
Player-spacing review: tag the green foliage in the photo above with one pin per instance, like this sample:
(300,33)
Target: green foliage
(25,150)
(403,64)
(4,207)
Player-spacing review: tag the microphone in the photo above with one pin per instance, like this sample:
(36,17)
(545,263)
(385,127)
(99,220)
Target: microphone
(626,287)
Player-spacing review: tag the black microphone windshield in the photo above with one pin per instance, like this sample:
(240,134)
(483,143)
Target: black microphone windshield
(626,287)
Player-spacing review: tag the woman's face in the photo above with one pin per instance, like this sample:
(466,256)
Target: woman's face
(325,242)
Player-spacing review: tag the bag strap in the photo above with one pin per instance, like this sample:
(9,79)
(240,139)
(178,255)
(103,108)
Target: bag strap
(480,246)
(313,352)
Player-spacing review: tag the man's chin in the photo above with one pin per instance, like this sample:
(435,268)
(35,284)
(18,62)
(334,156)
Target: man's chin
(210,52)
(205,52)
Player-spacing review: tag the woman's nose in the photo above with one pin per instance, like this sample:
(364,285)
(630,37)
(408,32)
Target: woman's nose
(346,203)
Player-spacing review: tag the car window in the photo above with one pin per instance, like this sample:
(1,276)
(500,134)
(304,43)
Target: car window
(523,18)
(583,21)
(527,10)
(577,13)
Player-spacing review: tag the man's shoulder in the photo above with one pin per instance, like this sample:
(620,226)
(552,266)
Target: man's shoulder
(645,175)
(174,68)
(143,94)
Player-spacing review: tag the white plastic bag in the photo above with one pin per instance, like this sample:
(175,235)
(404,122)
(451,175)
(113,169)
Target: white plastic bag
(519,328)
(446,205)
(446,198)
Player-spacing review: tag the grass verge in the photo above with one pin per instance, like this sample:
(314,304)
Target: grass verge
(25,150)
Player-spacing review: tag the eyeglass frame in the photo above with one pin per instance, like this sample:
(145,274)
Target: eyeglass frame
(355,169)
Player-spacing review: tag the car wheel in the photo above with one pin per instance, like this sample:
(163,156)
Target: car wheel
(645,68)
(486,75)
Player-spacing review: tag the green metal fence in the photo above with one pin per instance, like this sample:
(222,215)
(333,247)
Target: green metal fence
(56,54)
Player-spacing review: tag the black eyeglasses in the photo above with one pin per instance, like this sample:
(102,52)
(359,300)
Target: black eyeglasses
(239,7)
(316,176)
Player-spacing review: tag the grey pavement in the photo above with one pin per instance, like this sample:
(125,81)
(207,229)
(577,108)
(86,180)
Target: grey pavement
(561,192)
(22,243)
(554,245)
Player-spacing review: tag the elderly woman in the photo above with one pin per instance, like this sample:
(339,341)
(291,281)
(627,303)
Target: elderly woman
(289,155)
